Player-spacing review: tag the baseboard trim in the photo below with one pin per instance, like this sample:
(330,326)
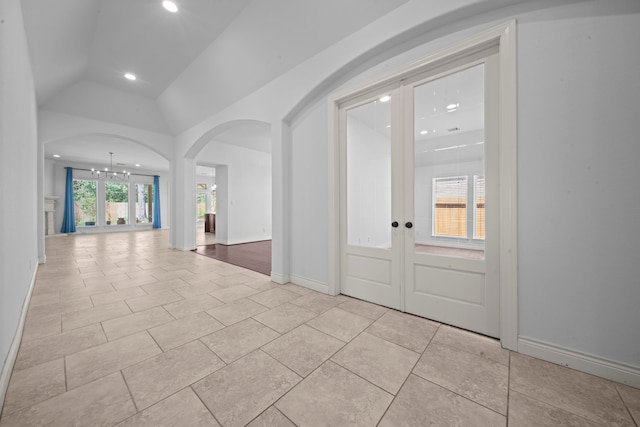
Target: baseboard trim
(604,368)
(310,284)
(10,361)
(280,279)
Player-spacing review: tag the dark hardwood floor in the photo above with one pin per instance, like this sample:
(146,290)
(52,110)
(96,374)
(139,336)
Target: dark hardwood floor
(255,256)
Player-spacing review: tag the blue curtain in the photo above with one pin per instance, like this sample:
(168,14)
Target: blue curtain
(69,219)
(157,222)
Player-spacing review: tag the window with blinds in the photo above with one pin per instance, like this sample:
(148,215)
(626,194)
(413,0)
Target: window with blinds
(479,215)
(450,206)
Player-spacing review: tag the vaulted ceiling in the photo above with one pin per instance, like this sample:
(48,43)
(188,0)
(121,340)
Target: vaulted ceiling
(220,49)
(208,55)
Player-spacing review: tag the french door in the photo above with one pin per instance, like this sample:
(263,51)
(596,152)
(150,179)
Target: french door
(419,195)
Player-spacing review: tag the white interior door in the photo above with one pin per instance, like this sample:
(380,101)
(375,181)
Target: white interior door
(451,250)
(419,196)
(371,199)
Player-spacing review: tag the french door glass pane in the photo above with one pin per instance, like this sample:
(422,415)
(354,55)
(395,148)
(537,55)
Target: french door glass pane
(369,174)
(449,164)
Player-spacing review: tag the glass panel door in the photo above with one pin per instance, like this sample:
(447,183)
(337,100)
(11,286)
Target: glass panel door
(449,271)
(369,174)
(370,191)
(449,165)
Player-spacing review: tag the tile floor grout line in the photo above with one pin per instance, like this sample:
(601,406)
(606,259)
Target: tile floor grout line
(273,405)
(544,402)
(64,368)
(625,404)
(203,402)
(360,376)
(316,329)
(460,395)
(167,311)
(103,331)
(508,387)
(126,384)
(410,373)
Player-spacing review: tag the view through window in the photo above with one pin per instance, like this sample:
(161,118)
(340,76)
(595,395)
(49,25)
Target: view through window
(85,202)
(144,203)
(117,203)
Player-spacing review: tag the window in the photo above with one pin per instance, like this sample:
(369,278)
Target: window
(117,202)
(144,203)
(479,215)
(84,202)
(201,205)
(450,206)
(201,186)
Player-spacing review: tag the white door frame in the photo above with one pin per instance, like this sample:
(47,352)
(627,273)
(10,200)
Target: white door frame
(504,37)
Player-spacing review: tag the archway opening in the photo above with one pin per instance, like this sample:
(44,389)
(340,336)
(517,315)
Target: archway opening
(233,167)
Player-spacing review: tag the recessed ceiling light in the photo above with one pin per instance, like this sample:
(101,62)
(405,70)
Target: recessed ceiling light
(424,132)
(170,6)
(385,98)
(137,165)
(129,76)
(56,155)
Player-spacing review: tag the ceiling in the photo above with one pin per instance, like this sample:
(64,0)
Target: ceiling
(100,40)
(213,50)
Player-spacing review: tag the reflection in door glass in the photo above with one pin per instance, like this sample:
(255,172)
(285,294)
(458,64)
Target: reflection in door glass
(449,165)
(369,174)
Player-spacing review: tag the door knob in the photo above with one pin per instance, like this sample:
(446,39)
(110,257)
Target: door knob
(408,225)
(394,224)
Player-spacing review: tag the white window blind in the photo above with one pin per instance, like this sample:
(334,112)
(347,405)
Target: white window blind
(450,206)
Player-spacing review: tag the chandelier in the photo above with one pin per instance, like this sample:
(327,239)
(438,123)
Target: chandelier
(110,174)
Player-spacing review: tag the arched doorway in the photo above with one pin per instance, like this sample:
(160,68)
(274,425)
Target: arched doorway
(238,154)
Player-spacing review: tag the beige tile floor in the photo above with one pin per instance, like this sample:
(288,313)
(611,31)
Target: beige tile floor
(123,331)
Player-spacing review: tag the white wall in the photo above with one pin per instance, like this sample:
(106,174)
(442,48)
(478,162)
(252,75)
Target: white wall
(115,106)
(49,173)
(577,102)
(248,192)
(309,212)
(222,203)
(18,186)
(55,126)
(579,192)
(579,199)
